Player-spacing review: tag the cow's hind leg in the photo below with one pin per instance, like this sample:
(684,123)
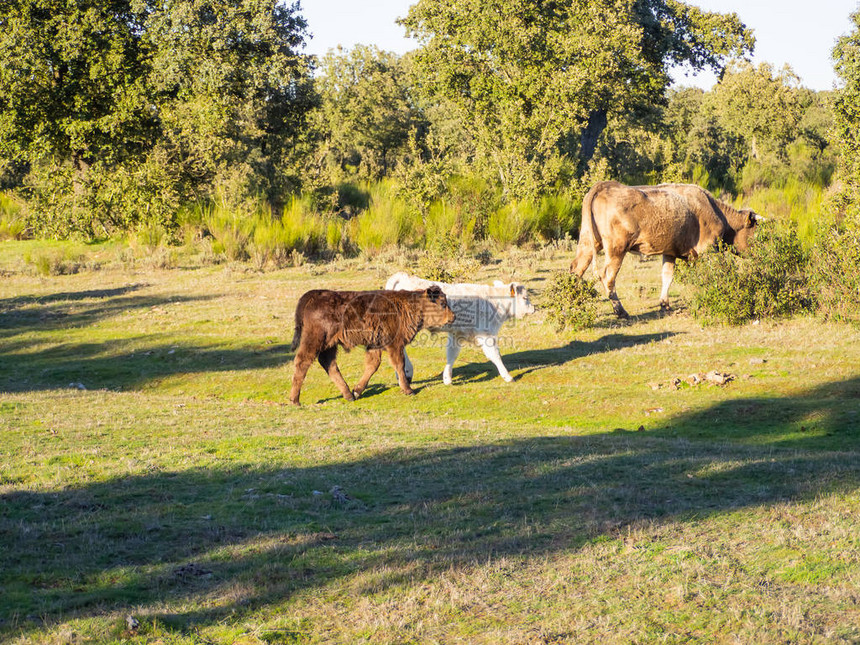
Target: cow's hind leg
(668,273)
(490,345)
(452,351)
(372,359)
(610,272)
(327,359)
(585,253)
(395,355)
(305,356)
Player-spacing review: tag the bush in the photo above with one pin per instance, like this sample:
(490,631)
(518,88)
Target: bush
(388,221)
(570,302)
(770,282)
(836,271)
(12,224)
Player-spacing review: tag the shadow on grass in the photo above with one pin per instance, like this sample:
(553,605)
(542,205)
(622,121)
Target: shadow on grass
(225,540)
(29,363)
(532,360)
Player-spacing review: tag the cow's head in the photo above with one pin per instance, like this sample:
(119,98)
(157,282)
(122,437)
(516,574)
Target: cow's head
(744,234)
(437,313)
(520,303)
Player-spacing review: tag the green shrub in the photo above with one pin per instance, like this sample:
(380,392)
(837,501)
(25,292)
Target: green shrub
(12,224)
(513,223)
(557,216)
(771,281)
(232,231)
(570,302)
(836,270)
(388,221)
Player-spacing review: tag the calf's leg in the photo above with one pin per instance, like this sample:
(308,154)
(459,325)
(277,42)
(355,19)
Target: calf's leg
(329,364)
(667,273)
(490,345)
(395,355)
(452,352)
(371,363)
(408,368)
(304,358)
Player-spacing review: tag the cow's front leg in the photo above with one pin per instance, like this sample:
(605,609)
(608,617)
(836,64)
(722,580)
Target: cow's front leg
(395,355)
(371,363)
(329,364)
(668,273)
(452,351)
(490,345)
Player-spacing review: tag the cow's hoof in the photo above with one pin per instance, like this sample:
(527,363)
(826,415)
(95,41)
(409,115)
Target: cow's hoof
(508,378)
(665,306)
(409,392)
(349,397)
(295,403)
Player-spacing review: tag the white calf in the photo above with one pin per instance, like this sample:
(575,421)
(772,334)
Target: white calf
(479,310)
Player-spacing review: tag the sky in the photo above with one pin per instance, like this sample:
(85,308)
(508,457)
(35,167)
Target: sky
(797,32)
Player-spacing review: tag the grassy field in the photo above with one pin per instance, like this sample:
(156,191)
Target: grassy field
(155,488)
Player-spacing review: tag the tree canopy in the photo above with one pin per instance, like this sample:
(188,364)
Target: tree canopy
(133,106)
(534,82)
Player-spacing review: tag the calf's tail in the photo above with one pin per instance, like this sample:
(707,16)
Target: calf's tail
(297,334)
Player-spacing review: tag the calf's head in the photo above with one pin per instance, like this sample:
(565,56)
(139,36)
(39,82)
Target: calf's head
(436,311)
(521,305)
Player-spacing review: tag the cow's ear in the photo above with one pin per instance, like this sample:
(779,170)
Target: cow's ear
(753,218)
(513,290)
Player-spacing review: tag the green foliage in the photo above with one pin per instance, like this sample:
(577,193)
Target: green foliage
(529,80)
(790,200)
(534,220)
(770,282)
(365,115)
(388,221)
(846,113)
(570,302)
(12,225)
(836,270)
(762,109)
(123,111)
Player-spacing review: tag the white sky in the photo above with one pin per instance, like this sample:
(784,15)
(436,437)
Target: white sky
(798,32)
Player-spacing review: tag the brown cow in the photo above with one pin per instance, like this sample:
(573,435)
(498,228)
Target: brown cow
(675,220)
(378,320)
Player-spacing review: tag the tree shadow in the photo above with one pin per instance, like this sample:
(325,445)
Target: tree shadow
(27,364)
(271,531)
(827,416)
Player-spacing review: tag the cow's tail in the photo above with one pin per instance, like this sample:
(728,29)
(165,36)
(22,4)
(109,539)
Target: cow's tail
(588,243)
(297,334)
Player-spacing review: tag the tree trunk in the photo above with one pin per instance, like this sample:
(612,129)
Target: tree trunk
(590,135)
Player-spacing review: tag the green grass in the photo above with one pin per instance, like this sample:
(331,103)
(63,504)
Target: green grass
(588,501)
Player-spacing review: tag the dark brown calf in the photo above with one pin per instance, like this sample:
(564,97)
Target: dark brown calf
(378,320)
